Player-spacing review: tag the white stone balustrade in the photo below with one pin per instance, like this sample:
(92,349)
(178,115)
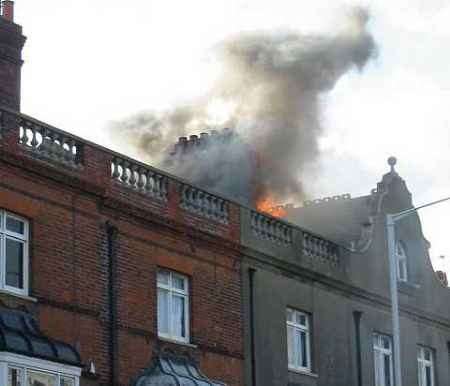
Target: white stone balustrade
(319,248)
(271,229)
(139,178)
(204,204)
(42,140)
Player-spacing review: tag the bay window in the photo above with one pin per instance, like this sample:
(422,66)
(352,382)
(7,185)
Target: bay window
(18,370)
(173,305)
(14,241)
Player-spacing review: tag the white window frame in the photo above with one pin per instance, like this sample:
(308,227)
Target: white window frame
(402,261)
(25,364)
(379,352)
(423,363)
(180,293)
(300,328)
(25,239)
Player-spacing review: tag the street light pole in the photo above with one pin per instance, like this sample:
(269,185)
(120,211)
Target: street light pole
(390,226)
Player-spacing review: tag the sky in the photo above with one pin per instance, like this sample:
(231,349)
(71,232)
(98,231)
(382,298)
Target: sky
(88,63)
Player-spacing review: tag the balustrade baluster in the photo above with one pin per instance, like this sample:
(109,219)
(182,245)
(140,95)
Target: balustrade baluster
(124,178)
(132,181)
(115,169)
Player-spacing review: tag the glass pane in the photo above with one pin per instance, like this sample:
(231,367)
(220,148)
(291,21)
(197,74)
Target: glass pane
(301,319)
(387,370)
(163,311)
(14,263)
(40,379)
(386,342)
(14,225)
(163,277)
(304,356)
(289,315)
(65,381)
(378,378)
(178,282)
(428,376)
(178,314)
(297,348)
(290,344)
(14,377)
(427,354)
(421,374)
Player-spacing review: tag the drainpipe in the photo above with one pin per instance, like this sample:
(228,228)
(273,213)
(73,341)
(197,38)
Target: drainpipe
(251,274)
(357,319)
(111,234)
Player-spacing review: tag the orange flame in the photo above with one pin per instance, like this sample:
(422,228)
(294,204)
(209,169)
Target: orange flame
(267,205)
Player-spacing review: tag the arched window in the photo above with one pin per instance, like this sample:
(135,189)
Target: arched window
(402,262)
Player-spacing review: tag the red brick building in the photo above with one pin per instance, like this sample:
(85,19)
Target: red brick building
(107,263)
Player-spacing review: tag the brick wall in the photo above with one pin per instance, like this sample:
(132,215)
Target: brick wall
(67,210)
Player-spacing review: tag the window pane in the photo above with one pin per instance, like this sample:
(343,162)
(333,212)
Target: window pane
(178,282)
(40,379)
(300,318)
(178,314)
(290,344)
(14,263)
(304,356)
(14,225)
(65,381)
(297,348)
(386,342)
(289,315)
(163,277)
(427,354)
(14,377)
(163,311)
(387,370)
(378,370)
(428,376)
(421,374)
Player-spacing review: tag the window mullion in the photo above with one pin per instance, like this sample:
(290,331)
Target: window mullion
(170,316)
(2,260)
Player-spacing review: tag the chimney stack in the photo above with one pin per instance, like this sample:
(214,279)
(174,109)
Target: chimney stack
(8,10)
(11,44)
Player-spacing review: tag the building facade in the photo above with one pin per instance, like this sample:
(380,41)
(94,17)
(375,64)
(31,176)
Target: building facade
(115,273)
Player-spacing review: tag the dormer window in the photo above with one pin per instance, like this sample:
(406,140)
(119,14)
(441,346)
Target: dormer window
(402,262)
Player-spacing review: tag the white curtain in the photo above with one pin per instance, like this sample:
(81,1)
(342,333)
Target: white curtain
(178,316)
(163,311)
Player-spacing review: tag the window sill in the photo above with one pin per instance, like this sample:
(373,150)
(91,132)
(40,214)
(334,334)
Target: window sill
(17,295)
(174,341)
(303,372)
(407,287)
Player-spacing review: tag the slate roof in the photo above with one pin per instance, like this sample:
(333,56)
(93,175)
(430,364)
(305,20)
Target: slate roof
(170,369)
(341,220)
(350,221)
(20,334)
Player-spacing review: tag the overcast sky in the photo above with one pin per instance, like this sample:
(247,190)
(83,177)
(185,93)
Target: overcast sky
(89,62)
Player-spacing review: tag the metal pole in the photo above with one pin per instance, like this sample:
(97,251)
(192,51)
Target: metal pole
(407,212)
(394,299)
(390,224)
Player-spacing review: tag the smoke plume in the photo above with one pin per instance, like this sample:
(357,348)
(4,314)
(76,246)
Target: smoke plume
(269,87)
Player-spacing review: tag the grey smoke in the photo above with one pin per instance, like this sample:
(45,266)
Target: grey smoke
(274,81)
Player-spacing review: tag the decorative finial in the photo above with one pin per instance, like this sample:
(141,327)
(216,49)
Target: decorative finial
(392,161)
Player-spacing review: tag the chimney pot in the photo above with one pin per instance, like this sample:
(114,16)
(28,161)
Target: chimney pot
(8,10)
